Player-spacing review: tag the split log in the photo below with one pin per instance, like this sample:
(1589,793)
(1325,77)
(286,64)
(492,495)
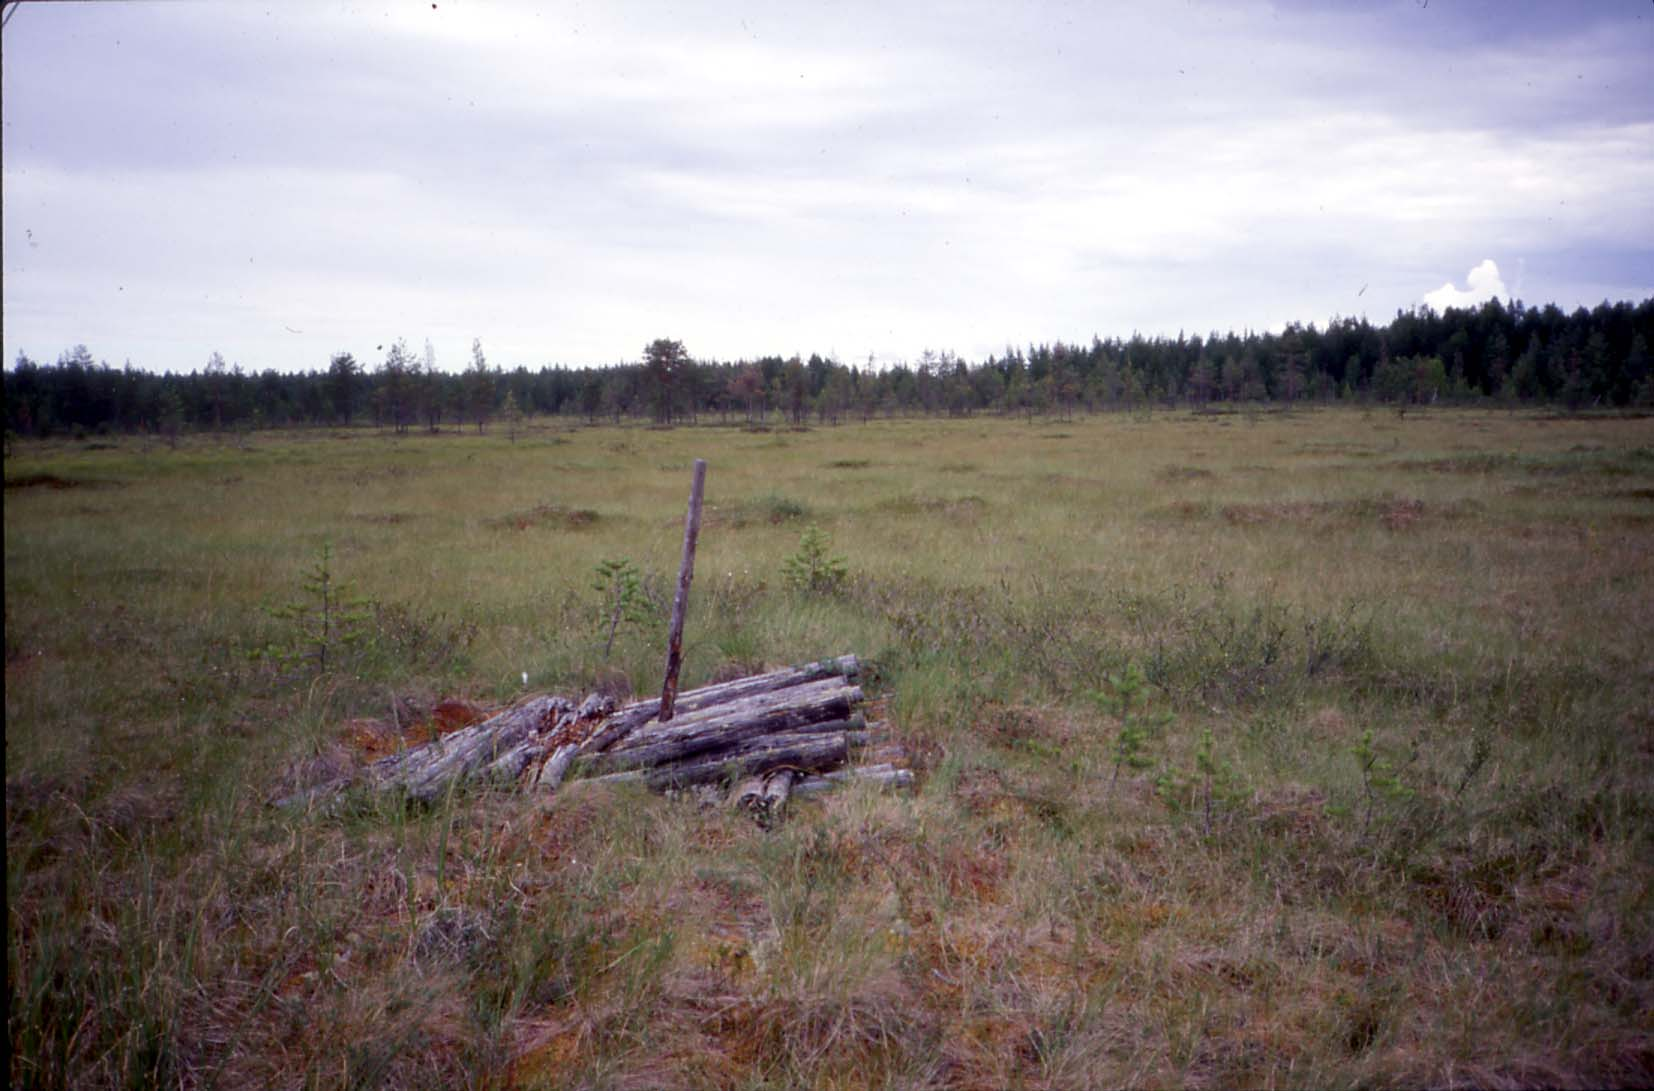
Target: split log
(510,765)
(557,767)
(776,791)
(503,745)
(425,771)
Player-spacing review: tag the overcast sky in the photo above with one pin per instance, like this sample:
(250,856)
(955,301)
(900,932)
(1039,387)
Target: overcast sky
(280,182)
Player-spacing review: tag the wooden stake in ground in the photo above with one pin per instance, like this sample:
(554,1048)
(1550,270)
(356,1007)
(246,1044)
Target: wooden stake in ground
(680,603)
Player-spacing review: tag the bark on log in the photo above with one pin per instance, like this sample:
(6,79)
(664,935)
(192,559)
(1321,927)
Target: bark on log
(722,727)
(749,795)
(510,765)
(798,720)
(557,767)
(808,696)
(425,773)
(765,798)
(883,776)
(641,712)
(776,791)
(805,753)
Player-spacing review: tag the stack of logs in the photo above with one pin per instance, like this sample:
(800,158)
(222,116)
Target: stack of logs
(773,735)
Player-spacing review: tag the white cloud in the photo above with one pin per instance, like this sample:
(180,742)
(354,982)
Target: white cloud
(567,181)
(1483,283)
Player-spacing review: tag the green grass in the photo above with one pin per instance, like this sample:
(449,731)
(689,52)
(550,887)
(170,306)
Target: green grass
(1248,908)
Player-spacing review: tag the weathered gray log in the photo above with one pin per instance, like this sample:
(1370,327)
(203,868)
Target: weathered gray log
(883,776)
(630,776)
(641,712)
(805,753)
(748,795)
(764,797)
(776,791)
(535,713)
(719,728)
(757,744)
(426,772)
(510,765)
(734,751)
(680,602)
(800,717)
(806,696)
(557,767)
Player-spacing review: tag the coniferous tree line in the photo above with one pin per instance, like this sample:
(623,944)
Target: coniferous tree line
(1498,352)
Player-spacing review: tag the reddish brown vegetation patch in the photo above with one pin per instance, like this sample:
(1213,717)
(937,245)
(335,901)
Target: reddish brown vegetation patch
(548,515)
(1023,725)
(43,481)
(374,738)
(1395,513)
(453,714)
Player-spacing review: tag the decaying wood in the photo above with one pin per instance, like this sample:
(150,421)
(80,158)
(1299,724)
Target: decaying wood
(883,776)
(778,710)
(713,732)
(765,797)
(803,751)
(785,731)
(638,713)
(749,795)
(427,772)
(776,791)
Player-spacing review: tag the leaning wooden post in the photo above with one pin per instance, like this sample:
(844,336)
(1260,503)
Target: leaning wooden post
(680,603)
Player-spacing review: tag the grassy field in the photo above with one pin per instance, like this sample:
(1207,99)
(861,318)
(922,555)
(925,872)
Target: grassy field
(1380,810)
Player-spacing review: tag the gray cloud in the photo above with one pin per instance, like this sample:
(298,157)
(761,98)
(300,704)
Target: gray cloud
(567,182)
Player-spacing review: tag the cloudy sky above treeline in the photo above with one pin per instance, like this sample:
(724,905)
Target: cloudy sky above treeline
(280,182)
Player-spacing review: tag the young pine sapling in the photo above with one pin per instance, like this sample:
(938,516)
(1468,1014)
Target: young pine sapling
(812,570)
(1378,778)
(1126,699)
(623,599)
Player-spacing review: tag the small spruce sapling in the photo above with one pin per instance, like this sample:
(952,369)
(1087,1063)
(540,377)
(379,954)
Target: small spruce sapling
(326,620)
(512,414)
(812,570)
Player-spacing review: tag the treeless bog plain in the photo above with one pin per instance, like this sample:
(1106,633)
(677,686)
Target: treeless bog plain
(1309,748)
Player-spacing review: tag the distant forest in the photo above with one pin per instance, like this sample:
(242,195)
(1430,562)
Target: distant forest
(1497,353)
